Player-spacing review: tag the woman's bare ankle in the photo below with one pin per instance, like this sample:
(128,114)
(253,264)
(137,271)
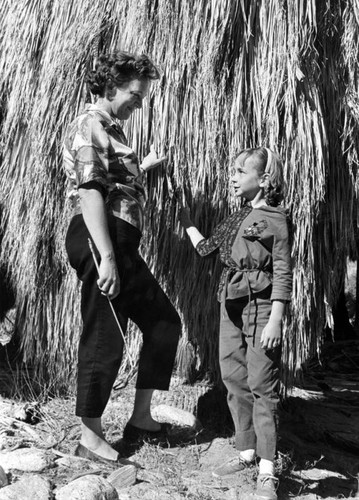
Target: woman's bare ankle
(92,426)
(144,421)
(92,438)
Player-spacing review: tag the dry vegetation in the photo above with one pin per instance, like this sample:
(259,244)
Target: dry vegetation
(234,74)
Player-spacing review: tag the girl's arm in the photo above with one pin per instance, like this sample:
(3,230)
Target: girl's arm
(281,289)
(95,217)
(203,246)
(272,333)
(194,235)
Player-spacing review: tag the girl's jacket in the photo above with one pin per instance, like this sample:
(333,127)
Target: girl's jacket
(254,247)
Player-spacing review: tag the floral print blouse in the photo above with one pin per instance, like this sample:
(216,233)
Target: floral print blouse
(96,154)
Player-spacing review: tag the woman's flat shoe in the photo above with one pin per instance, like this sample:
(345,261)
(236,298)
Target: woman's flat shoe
(83,452)
(133,434)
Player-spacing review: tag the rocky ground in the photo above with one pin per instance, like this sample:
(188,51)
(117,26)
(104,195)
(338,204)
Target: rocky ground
(318,446)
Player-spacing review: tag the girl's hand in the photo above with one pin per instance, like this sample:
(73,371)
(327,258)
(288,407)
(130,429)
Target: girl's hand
(272,335)
(185,218)
(151,160)
(109,280)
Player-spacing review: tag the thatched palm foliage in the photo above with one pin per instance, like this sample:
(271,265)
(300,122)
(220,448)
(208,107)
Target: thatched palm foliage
(235,74)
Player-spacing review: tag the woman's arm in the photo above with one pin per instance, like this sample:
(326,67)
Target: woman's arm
(151,160)
(95,217)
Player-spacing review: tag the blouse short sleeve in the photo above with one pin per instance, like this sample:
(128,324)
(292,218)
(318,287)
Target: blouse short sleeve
(86,152)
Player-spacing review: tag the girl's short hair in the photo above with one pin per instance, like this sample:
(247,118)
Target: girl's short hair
(115,69)
(269,163)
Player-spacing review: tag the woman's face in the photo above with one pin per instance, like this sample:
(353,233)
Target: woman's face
(129,97)
(245,179)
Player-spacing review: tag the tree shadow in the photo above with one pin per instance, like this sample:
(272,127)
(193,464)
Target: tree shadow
(214,414)
(320,437)
(321,432)
(211,411)
(330,487)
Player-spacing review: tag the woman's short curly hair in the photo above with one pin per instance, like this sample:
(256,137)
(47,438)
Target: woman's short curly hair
(115,69)
(269,163)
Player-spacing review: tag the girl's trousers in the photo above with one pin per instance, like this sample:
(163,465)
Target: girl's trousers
(141,299)
(250,373)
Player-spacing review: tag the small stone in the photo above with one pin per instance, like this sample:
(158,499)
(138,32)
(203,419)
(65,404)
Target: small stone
(76,463)
(29,487)
(87,487)
(316,474)
(3,478)
(29,413)
(2,442)
(26,460)
(123,477)
(176,416)
(146,491)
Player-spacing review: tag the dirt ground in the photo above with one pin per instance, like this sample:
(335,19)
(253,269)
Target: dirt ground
(318,447)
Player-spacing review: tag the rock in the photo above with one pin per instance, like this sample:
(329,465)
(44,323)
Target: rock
(210,457)
(76,463)
(3,441)
(146,491)
(7,327)
(176,416)
(316,474)
(123,477)
(87,487)
(26,460)
(29,487)
(3,478)
(29,413)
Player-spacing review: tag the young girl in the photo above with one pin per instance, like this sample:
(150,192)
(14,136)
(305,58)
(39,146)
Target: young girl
(254,288)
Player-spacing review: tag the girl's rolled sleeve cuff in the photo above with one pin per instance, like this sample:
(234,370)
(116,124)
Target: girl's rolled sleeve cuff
(282,293)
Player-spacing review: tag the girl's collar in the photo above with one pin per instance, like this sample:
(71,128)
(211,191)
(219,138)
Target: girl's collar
(259,204)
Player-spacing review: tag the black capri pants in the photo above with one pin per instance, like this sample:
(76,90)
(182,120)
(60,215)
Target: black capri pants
(141,299)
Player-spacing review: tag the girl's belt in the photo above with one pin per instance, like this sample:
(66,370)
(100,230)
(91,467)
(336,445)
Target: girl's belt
(227,275)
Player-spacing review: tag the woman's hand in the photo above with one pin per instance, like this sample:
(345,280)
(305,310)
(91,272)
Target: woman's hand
(271,335)
(151,160)
(109,280)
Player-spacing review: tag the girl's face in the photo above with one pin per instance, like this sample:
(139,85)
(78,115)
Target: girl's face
(245,180)
(129,97)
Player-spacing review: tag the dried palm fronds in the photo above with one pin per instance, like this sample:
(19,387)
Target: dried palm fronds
(234,75)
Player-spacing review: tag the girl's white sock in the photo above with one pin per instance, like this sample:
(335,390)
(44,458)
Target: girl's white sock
(266,467)
(247,455)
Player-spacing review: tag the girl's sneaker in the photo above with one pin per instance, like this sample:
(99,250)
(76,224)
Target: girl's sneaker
(233,466)
(266,487)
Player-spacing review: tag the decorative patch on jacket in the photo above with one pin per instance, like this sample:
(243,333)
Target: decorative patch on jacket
(254,231)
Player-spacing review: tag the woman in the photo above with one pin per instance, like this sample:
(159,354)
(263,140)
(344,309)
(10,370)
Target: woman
(107,193)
